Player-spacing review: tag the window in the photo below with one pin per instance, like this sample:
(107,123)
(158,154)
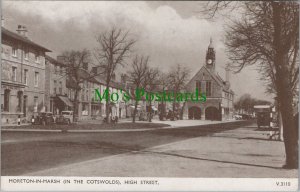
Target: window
(37,58)
(26,53)
(198,86)
(54,86)
(15,51)
(6,100)
(35,101)
(60,87)
(14,74)
(25,76)
(36,79)
(208,88)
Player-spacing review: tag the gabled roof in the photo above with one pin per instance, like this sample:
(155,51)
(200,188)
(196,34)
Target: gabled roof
(214,76)
(54,61)
(13,35)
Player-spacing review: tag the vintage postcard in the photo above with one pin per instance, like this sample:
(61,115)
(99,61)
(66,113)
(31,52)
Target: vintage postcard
(149,95)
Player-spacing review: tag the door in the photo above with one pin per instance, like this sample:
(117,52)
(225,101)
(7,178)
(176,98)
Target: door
(24,105)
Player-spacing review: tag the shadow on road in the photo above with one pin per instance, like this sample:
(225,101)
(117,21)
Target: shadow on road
(212,160)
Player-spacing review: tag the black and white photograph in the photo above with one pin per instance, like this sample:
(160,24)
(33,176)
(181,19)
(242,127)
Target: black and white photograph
(149,95)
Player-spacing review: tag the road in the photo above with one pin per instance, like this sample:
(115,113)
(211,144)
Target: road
(26,152)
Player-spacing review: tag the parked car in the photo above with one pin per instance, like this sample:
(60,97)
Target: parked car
(44,118)
(66,117)
(113,119)
(245,116)
(237,117)
(172,115)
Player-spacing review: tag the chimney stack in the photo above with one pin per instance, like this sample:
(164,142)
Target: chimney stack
(22,30)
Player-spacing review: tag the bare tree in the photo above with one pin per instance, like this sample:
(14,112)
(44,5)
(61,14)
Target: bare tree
(178,78)
(268,36)
(76,72)
(163,85)
(112,50)
(150,85)
(137,75)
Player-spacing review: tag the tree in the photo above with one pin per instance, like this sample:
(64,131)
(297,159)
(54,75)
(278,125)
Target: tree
(246,103)
(267,35)
(150,85)
(137,75)
(178,78)
(112,50)
(163,85)
(76,73)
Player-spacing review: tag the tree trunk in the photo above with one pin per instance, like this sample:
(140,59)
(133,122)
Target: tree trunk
(75,112)
(284,90)
(107,104)
(135,110)
(150,113)
(181,111)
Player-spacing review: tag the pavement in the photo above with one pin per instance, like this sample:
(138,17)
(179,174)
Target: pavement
(243,152)
(173,124)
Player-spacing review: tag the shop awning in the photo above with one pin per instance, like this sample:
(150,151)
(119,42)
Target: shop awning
(66,100)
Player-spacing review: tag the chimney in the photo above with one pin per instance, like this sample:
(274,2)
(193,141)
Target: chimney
(22,30)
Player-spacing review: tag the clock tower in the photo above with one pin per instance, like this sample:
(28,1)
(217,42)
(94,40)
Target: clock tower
(210,59)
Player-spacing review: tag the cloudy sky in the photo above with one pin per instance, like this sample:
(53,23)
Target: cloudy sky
(169,32)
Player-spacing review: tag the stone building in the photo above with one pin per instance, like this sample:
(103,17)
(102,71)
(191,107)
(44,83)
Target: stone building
(88,107)
(56,93)
(22,76)
(219,103)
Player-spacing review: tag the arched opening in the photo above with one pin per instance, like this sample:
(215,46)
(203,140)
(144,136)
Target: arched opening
(194,113)
(212,113)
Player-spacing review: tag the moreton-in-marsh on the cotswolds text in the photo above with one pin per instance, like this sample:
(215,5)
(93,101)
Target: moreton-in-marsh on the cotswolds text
(145,95)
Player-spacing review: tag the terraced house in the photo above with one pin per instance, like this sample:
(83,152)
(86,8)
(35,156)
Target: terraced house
(22,76)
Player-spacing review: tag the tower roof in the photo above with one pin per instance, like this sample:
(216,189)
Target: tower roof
(211,43)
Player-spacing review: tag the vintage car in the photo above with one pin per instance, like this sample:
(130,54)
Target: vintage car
(237,117)
(113,119)
(172,115)
(66,117)
(43,118)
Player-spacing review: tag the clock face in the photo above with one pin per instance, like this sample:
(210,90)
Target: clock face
(209,61)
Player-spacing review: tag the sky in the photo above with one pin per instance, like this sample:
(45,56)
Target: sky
(170,33)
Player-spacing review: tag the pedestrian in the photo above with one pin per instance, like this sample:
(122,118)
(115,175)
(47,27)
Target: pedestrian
(19,120)
(32,119)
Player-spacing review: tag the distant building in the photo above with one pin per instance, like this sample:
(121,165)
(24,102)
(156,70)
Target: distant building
(22,76)
(219,103)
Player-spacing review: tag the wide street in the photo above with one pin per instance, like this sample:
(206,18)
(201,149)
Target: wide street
(187,151)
